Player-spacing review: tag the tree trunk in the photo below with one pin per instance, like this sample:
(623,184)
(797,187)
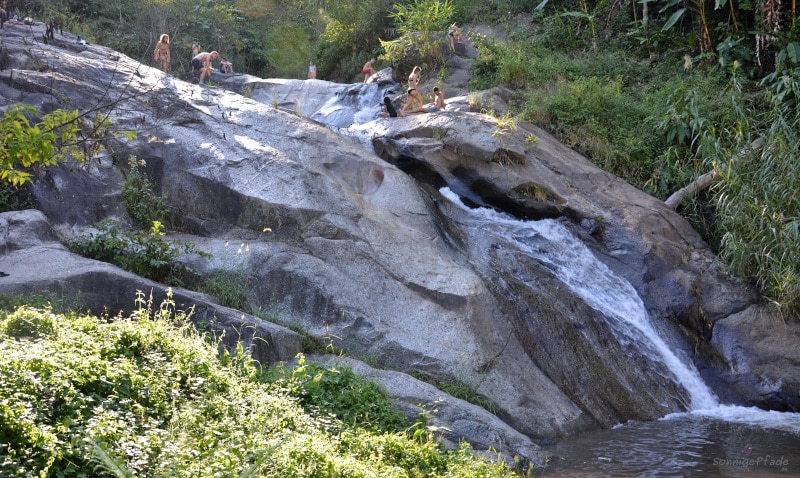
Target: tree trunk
(704,180)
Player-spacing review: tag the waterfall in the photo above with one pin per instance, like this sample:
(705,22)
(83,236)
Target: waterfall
(554,246)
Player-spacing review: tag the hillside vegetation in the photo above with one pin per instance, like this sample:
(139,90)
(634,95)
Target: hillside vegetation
(149,396)
(656,92)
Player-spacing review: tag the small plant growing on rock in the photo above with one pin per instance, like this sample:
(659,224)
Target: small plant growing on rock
(144,206)
(146,254)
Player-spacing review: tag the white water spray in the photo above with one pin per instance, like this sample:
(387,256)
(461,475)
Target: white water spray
(549,242)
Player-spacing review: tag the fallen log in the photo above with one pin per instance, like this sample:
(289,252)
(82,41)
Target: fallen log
(705,180)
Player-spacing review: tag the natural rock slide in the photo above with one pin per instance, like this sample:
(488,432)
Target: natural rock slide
(354,227)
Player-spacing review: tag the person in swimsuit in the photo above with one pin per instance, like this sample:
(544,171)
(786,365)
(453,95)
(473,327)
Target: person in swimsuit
(437,105)
(312,70)
(454,33)
(413,93)
(388,108)
(161,52)
(368,69)
(202,63)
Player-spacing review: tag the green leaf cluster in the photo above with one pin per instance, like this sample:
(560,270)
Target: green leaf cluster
(148,396)
(24,144)
(146,254)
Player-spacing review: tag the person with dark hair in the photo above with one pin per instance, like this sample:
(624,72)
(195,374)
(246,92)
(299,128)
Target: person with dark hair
(161,52)
(388,108)
(312,70)
(225,66)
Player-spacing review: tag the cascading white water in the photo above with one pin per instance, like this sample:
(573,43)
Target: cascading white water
(552,244)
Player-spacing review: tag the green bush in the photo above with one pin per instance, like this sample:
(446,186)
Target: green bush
(341,393)
(148,396)
(599,119)
(15,198)
(229,288)
(146,254)
(144,206)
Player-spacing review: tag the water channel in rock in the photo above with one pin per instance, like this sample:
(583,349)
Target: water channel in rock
(711,440)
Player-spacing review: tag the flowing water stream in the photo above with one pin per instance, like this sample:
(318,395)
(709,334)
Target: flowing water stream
(712,439)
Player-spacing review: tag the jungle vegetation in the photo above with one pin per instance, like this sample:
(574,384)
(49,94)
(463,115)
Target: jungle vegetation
(147,395)
(657,92)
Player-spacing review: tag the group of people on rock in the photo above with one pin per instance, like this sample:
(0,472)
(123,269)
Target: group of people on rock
(437,103)
(454,35)
(201,60)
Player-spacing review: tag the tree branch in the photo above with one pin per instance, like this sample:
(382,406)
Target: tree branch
(704,180)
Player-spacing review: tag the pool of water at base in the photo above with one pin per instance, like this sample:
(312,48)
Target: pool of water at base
(683,445)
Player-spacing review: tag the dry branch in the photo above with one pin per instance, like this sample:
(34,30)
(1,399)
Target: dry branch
(705,180)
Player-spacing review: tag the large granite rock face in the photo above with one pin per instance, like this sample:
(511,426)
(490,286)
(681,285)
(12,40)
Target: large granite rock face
(338,222)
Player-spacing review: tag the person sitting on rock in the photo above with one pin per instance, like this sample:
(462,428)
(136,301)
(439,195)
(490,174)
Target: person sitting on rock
(161,52)
(225,66)
(388,108)
(202,63)
(437,105)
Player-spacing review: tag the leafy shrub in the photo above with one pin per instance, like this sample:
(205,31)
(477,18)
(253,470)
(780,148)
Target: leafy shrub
(148,396)
(144,206)
(146,254)
(15,198)
(343,394)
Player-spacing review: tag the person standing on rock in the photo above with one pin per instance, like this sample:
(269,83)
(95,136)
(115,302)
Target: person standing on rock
(161,52)
(202,63)
(368,69)
(312,70)
(413,92)
(454,33)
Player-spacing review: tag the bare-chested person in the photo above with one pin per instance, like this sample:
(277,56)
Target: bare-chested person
(161,52)
(437,105)
(202,63)
(413,92)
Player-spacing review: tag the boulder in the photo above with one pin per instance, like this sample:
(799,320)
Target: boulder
(454,420)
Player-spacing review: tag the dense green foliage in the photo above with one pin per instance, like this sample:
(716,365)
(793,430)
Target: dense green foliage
(147,396)
(23,144)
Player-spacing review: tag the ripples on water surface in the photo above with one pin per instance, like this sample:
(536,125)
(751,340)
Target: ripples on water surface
(728,442)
